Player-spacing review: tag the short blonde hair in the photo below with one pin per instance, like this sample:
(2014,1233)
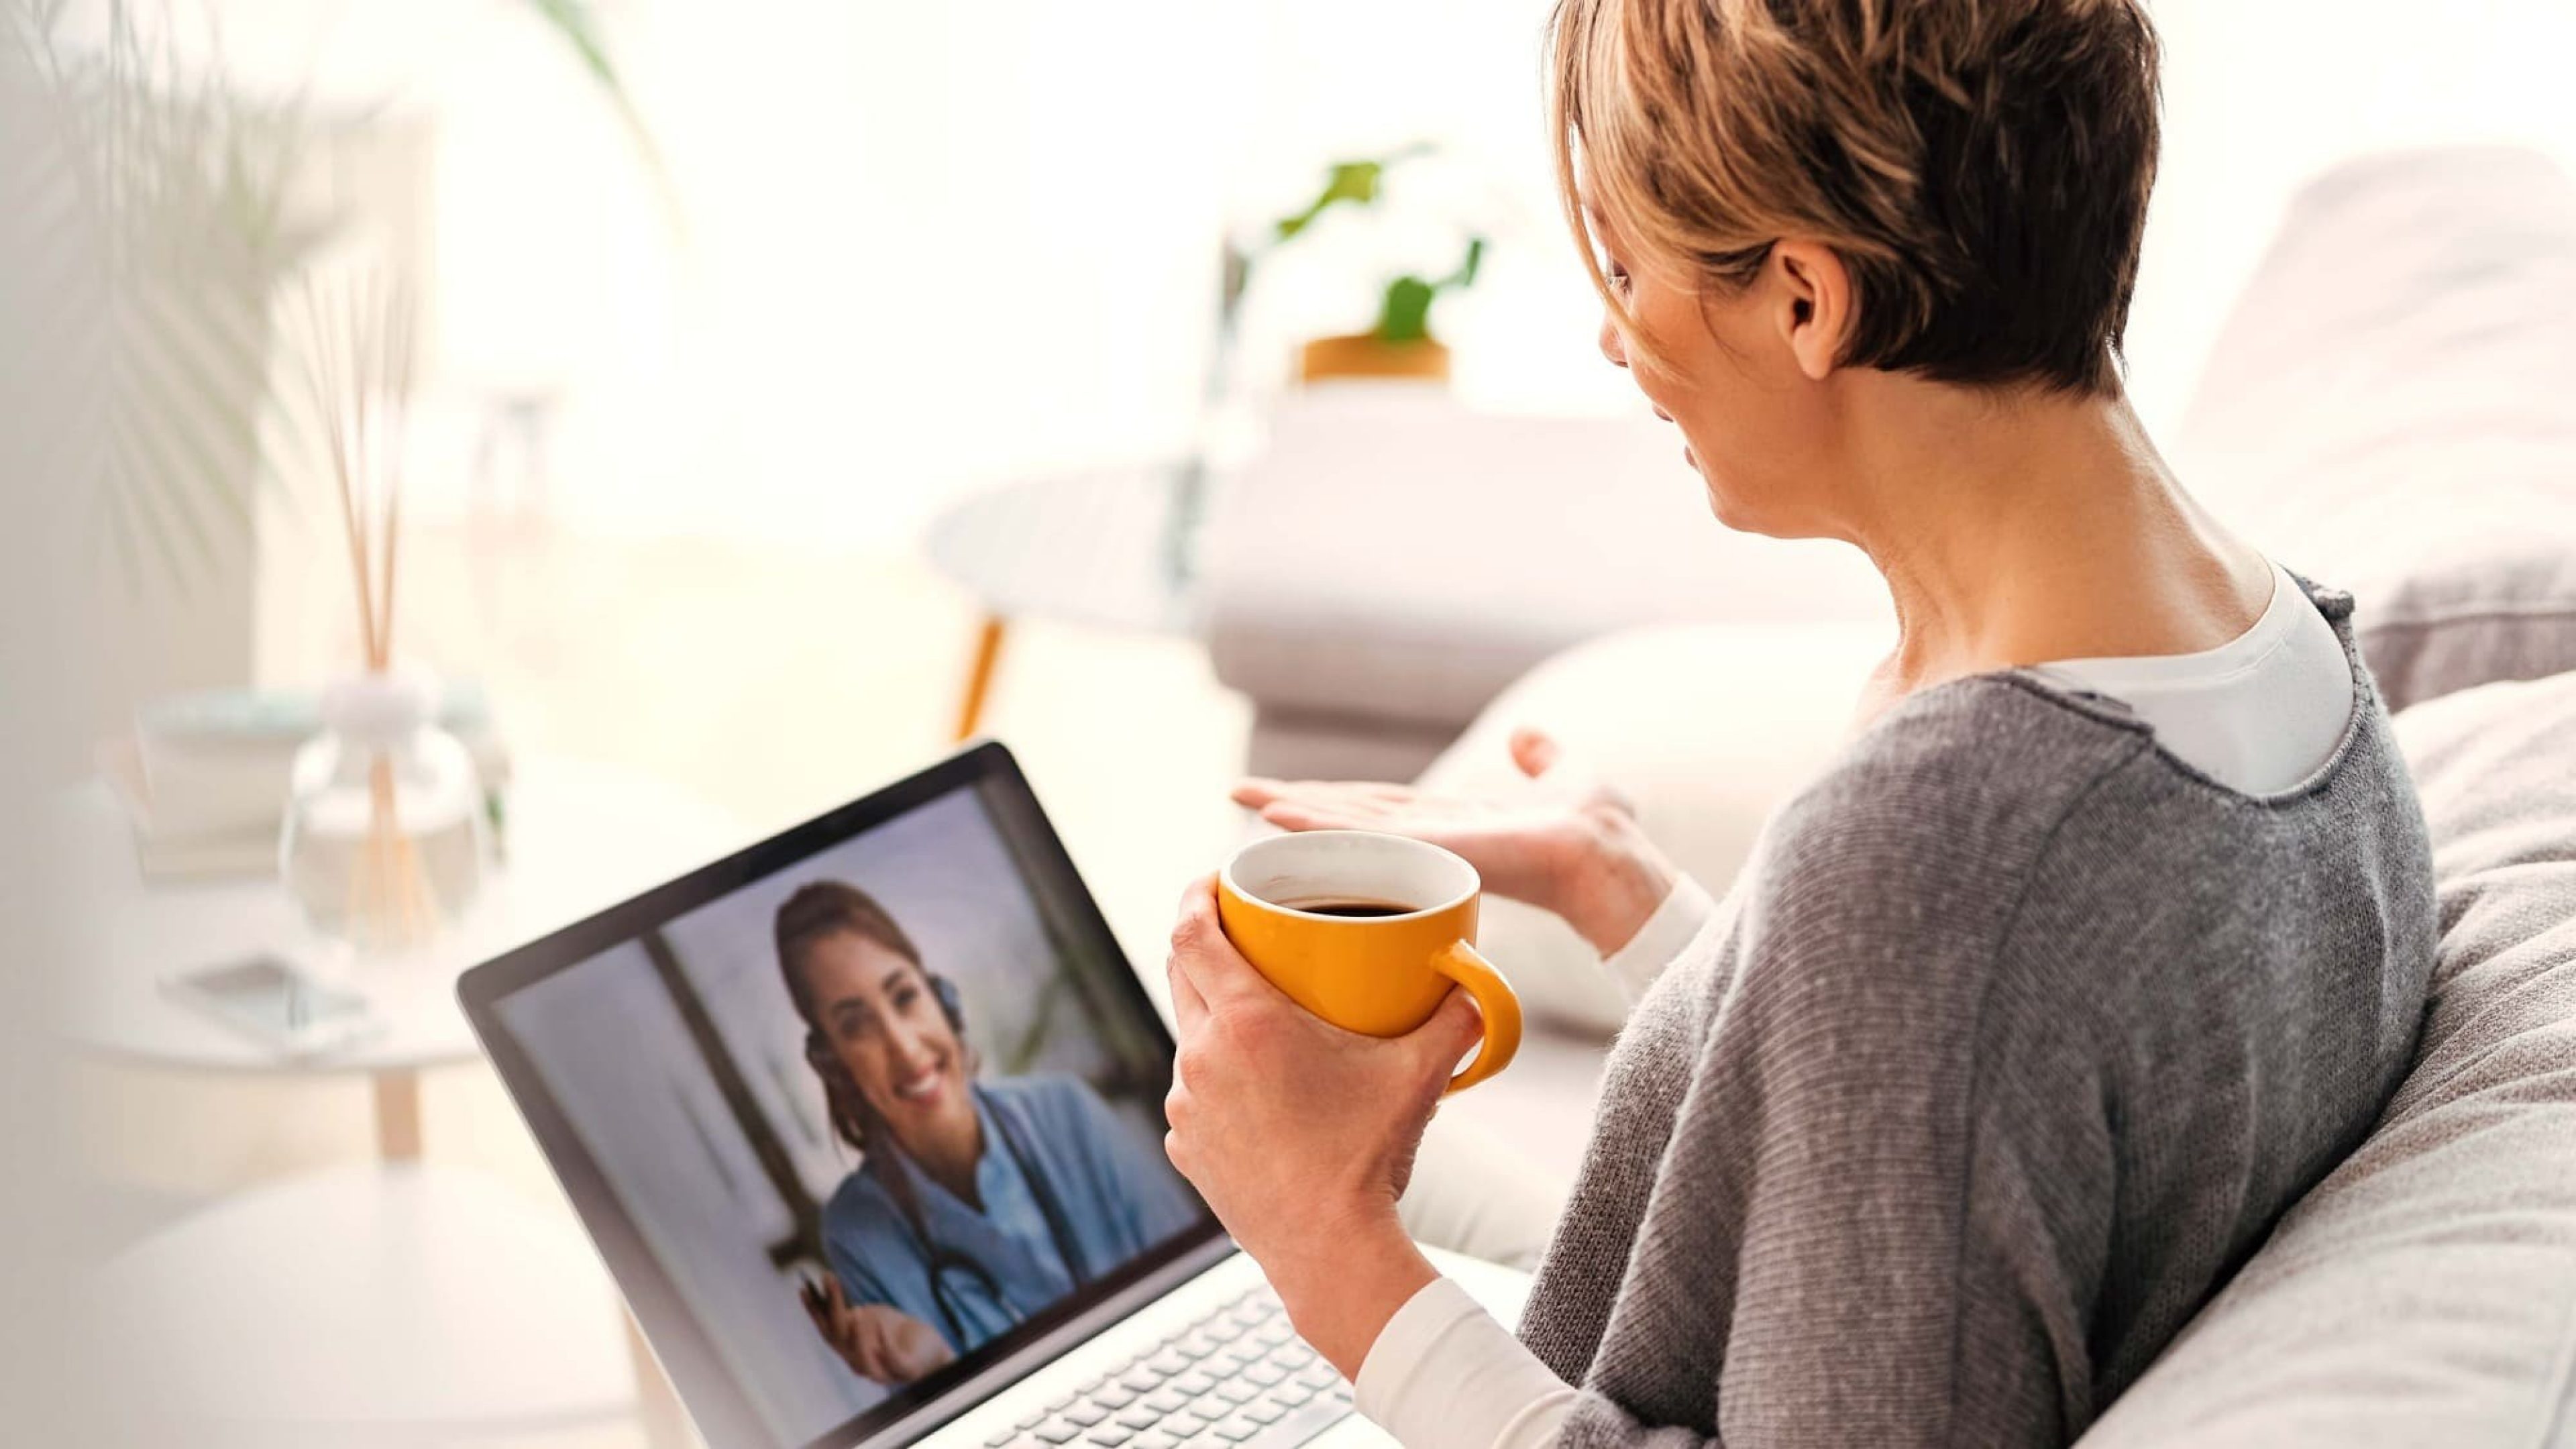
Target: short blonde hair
(1981,166)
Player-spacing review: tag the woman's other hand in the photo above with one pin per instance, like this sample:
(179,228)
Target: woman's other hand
(1302,1135)
(1573,848)
(882,1344)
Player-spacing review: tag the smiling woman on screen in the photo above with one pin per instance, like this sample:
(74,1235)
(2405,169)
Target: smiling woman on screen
(2105,935)
(977,1203)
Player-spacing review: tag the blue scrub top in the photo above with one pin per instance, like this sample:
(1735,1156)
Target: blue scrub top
(1118,1195)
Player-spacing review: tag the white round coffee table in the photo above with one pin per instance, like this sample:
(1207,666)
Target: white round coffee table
(370,1303)
(581,836)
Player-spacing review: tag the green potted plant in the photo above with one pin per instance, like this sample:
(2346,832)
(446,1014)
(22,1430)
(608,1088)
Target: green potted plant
(1400,344)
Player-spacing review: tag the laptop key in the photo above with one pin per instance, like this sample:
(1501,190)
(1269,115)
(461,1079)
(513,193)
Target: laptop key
(1319,1375)
(1265,1413)
(1086,1415)
(1292,1394)
(1154,1439)
(1184,1425)
(1142,1379)
(1304,1424)
(1235,1391)
(1168,1363)
(1264,1374)
(1237,1430)
(1140,1417)
(1165,1401)
(1192,1384)
(1057,1433)
(1111,1437)
(1113,1397)
(1002,1439)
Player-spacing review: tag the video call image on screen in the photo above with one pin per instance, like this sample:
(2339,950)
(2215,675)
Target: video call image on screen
(868,1114)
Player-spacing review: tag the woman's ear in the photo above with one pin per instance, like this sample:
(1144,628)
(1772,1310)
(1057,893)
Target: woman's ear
(1816,304)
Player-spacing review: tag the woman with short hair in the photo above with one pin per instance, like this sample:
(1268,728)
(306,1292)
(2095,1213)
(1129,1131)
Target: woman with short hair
(2105,935)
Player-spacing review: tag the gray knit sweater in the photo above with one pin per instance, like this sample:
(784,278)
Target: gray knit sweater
(2009,1045)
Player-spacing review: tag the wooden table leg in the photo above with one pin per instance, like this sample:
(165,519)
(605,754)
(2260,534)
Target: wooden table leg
(398,1115)
(979,681)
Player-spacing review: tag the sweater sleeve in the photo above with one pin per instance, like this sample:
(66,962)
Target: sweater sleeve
(1880,1214)
(1444,1375)
(1664,938)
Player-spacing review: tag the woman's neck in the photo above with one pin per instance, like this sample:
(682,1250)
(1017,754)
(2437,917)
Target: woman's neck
(950,1157)
(2023,527)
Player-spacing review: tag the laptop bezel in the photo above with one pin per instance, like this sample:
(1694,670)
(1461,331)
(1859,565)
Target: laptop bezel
(723,1411)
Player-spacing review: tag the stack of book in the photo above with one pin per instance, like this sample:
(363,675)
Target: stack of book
(204,777)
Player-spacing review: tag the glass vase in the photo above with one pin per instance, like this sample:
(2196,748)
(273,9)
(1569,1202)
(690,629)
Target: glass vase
(385,842)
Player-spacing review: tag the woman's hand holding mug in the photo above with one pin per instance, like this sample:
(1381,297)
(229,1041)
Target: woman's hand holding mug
(879,1343)
(1575,849)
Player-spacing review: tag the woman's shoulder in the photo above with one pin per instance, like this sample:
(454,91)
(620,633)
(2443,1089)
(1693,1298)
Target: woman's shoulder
(860,1207)
(1050,1098)
(1977,770)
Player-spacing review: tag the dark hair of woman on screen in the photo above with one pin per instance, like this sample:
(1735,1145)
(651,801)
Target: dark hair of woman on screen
(976,1204)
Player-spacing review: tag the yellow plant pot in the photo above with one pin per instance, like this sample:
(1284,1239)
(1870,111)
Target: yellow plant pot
(1362,355)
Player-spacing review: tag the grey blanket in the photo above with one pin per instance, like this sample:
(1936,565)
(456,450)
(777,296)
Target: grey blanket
(2012,1041)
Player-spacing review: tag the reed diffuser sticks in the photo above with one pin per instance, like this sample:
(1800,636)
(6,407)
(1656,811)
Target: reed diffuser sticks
(358,368)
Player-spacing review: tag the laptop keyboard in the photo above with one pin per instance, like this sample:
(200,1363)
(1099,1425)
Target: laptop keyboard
(1239,1378)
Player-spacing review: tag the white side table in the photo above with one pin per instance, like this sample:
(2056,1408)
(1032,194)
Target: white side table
(1109,548)
(376,1301)
(581,836)
(371,1303)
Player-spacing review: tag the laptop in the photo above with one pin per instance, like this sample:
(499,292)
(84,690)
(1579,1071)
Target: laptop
(866,1122)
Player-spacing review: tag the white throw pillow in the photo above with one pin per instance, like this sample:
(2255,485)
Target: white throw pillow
(2391,410)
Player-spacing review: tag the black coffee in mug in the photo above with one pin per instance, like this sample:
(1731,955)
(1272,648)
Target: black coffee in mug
(1348,907)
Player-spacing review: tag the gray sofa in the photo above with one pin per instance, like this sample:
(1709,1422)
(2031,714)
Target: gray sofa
(2392,409)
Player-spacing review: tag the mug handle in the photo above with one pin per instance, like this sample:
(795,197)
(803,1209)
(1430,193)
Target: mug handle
(1495,1001)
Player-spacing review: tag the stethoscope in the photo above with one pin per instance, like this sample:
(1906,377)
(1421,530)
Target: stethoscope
(944,1262)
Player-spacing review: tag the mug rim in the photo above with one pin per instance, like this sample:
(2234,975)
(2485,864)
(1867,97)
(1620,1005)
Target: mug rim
(1475,879)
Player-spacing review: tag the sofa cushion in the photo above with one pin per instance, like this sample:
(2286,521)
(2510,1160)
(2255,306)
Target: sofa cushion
(1394,555)
(2425,1292)
(2392,406)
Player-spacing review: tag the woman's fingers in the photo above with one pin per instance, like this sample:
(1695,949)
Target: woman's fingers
(921,1347)
(1453,1030)
(877,1348)
(1188,1007)
(1256,793)
(1288,815)
(1534,751)
(1198,916)
(855,1334)
(1204,963)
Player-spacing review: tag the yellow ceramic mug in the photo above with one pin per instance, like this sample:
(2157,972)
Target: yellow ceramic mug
(1369,932)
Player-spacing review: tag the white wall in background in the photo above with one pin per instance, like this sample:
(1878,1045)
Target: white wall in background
(932,245)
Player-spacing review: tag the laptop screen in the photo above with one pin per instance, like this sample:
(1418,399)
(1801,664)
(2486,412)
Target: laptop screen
(863,1110)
